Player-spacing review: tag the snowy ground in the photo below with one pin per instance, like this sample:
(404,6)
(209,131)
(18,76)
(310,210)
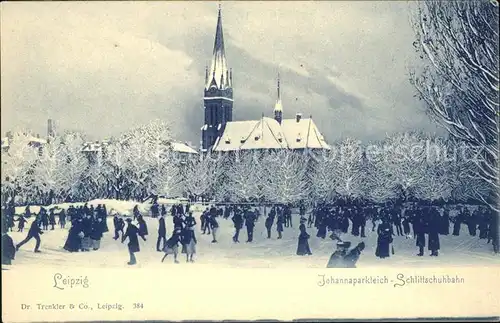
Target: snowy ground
(262,253)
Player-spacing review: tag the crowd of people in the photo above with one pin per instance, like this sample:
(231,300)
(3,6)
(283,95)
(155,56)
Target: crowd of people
(423,223)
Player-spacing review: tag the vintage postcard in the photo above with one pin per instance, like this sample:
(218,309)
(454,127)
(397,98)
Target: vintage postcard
(178,160)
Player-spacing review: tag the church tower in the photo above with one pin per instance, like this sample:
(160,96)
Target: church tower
(218,94)
(278,107)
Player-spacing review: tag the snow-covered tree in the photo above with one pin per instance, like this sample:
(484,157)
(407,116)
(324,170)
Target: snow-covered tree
(348,169)
(322,175)
(458,42)
(201,174)
(76,163)
(404,162)
(379,185)
(245,178)
(284,176)
(114,168)
(49,173)
(17,163)
(438,180)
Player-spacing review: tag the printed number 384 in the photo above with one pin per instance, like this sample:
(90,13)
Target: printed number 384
(138,305)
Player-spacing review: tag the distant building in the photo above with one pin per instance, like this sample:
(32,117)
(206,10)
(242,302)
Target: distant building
(221,134)
(34,141)
(51,128)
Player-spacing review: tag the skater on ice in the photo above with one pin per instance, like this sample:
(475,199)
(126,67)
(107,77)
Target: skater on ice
(189,243)
(34,232)
(131,233)
(172,247)
(162,232)
(143,227)
(75,235)
(303,244)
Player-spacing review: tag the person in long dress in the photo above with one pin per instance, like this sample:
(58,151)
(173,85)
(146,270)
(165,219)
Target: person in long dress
(143,228)
(75,235)
(172,246)
(189,243)
(384,239)
(303,246)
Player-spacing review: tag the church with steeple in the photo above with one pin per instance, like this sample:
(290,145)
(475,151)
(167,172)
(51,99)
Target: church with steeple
(221,134)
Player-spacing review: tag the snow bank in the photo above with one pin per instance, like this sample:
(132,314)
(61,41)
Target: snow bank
(114,206)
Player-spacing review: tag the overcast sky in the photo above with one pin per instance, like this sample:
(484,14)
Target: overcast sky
(103,67)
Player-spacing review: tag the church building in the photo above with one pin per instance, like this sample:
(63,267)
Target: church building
(221,134)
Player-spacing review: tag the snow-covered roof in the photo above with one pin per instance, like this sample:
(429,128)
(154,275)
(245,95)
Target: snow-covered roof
(303,134)
(32,140)
(267,133)
(182,148)
(92,147)
(37,140)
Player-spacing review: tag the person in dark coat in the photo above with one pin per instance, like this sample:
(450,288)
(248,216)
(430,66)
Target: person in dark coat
(362,223)
(321,224)
(458,219)
(433,229)
(190,221)
(163,210)
(205,222)
(87,231)
(133,245)
(104,216)
(214,225)
(97,233)
(135,211)
(384,239)
(22,221)
(288,217)
(75,236)
(143,228)
(472,222)
(269,224)
(34,232)
(27,212)
(250,224)
(178,222)
(52,219)
(493,229)
(406,225)
(352,257)
(420,227)
(162,232)
(188,243)
(155,211)
(303,246)
(62,219)
(279,224)
(8,248)
(238,225)
(337,258)
(45,219)
(345,222)
(172,246)
(119,226)
(445,222)
(10,221)
(483,224)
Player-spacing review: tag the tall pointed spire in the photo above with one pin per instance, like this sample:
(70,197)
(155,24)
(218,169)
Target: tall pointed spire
(278,107)
(219,64)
